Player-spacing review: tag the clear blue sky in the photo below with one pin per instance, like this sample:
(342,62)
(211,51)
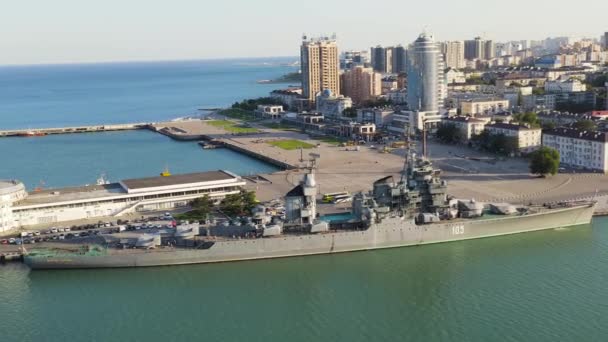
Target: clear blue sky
(60,31)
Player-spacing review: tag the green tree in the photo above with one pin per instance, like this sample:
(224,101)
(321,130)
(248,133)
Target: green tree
(450,134)
(585,125)
(527,118)
(548,125)
(379,102)
(350,112)
(498,143)
(544,161)
(238,204)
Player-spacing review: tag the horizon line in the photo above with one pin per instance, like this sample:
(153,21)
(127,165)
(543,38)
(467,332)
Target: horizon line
(126,61)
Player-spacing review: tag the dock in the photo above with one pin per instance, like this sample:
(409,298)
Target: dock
(75,129)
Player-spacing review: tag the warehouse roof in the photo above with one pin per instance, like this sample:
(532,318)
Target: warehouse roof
(188,178)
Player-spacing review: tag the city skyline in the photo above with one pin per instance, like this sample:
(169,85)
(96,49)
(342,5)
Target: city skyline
(67,31)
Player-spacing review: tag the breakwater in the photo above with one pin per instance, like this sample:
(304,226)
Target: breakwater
(70,130)
(242,148)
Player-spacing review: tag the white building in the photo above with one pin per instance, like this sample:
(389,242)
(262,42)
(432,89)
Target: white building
(378,116)
(11,192)
(569,86)
(455,76)
(483,106)
(528,139)
(331,105)
(468,125)
(19,209)
(579,148)
(269,111)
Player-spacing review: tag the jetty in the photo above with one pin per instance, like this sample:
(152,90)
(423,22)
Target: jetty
(75,129)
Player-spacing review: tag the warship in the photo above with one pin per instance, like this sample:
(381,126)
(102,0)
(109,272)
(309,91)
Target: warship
(408,210)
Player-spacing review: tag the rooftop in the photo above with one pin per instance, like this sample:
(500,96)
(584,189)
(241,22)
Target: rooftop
(465,119)
(578,134)
(94,192)
(510,126)
(152,182)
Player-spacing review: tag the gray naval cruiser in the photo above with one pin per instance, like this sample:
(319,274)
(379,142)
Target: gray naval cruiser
(412,210)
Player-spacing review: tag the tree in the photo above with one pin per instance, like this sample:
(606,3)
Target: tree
(202,206)
(497,143)
(449,134)
(350,112)
(527,118)
(379,102)
(238,204)
(585,125)
(544,161)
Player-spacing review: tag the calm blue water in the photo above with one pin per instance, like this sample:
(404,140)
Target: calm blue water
(79,94)
(77,159)
(67,95)
(543,287)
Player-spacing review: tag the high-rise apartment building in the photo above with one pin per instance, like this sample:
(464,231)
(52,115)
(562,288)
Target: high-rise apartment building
(489,50)
(320,66)
(479,48)
(474,49)
(378,58)
(388,60)
(399,59)
(426,84)
(361,84)
(453,54)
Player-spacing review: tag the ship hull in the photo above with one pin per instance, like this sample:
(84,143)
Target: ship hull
(391,233)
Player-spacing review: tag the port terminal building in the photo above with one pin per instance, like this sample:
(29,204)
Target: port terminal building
(18,208)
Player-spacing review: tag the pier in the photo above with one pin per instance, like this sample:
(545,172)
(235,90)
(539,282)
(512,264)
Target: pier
(75,129)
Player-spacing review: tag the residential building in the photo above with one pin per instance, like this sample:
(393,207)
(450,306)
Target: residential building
(455,76)
(332,105)
(397,97)
(474,49)
(528,139)
(568,86)
(388,60)
(399,59)
(287,96)
(378,116)
(489,50)
(577,148)
(320,66)
(483,106)
(426,83)
(361,84)
(606,40)
(467,125)
(453,53)
(538,102)
(354,58)
(269,111)
(389,83)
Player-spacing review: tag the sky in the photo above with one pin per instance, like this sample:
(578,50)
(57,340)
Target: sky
(73,31)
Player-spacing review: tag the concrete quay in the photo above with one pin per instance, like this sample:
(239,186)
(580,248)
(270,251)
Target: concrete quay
(70,130)
(470,173)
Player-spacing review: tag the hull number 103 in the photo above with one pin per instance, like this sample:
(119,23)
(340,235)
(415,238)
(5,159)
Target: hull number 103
(458,229)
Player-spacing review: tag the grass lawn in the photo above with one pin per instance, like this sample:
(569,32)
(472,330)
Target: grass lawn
(280,126)
(332,140)
(291,144)
(237,113)
(231,127)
